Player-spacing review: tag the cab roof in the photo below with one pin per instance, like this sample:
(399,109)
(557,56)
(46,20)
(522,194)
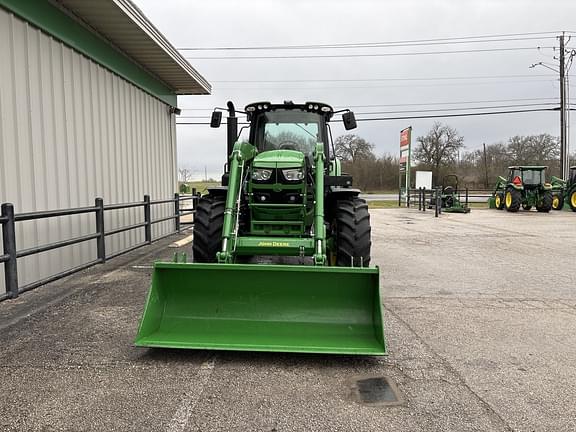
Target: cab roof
(528,167)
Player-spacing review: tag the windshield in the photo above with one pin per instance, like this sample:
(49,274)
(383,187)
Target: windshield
(289,130)
(532,177)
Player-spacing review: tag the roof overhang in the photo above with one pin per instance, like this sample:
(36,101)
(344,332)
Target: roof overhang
(125,27)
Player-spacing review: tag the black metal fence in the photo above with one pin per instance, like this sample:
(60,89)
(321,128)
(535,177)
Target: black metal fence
(8,220)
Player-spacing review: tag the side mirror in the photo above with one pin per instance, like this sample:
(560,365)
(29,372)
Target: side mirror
(349,120)
(216,119)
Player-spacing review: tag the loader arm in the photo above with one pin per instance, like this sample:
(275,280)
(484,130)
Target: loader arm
(242,153)
(319,227)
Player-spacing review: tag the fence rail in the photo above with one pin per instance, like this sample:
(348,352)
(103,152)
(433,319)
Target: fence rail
(8,219)
(431,198)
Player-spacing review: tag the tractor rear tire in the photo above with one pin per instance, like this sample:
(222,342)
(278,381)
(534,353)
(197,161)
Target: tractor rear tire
(557,201)
(208,222)
(499,200)
(351,231)
(513,200)
(572,200)
(546,204)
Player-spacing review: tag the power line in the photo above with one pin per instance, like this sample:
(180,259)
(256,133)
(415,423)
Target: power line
(447,103)
(386,79)
(414,103)
(459,115)
(423,117)
(429,110)
(402,54)
(413,42)
(389,85)
(457,109)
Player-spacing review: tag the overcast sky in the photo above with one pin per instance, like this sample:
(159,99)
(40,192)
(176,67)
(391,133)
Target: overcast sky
(404,79)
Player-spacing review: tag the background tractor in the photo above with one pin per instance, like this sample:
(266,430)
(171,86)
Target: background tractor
(525,187)
(450,196)
(283,195)
(564,191)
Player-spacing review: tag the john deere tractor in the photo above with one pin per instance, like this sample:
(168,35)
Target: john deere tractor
(283,195)
(564,191)
(525,187)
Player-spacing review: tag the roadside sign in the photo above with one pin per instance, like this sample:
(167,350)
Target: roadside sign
(404,178)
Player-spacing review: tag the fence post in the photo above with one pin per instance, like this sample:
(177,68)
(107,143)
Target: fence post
(466,197)
(408,196)
(9,244)
(437,199)
(177,211)
(423,199)
(101,240)
(147,220)
(419,199)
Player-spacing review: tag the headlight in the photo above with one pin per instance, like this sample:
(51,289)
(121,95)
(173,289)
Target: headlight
(293,174)
(259,174)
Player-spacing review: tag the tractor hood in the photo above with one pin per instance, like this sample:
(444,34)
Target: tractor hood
(279,159)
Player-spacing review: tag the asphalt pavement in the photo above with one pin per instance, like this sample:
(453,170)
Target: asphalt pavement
(480,315)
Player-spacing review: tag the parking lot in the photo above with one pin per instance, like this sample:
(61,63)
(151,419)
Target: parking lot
(480,316)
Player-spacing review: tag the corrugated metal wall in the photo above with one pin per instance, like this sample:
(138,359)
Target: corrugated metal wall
(71,131)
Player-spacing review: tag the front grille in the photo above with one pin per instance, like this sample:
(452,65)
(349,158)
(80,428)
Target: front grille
(271,197)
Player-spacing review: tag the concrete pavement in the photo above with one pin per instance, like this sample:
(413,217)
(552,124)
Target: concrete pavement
(480,318)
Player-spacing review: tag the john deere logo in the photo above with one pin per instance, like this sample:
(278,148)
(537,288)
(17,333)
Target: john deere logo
(274,244)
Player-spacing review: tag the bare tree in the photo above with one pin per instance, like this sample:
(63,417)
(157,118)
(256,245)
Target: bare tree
(352,148)
(533,149)
(439,147)
(184,174)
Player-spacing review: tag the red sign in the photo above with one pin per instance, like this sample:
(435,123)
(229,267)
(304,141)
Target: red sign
(402,159)
(405,137)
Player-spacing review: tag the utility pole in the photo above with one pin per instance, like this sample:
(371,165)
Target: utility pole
(564,65)
(485,164)
(563,123)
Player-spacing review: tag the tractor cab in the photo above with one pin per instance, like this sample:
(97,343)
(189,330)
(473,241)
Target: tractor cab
(289,126)
(572,178)
(528,177)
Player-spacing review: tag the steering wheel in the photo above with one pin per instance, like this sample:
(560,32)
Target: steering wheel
(288,145)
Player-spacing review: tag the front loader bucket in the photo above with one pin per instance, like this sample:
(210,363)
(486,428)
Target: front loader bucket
(251,307)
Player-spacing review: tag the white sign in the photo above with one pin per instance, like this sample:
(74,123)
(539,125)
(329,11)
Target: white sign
(424,179)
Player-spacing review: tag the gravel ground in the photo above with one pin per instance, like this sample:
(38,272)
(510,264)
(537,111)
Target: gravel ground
(480,313)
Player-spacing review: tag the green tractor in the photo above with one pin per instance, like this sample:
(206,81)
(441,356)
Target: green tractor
(564,191)
(450,196)
(283,197)
(525,187)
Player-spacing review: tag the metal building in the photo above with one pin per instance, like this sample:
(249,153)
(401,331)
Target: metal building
(88,91)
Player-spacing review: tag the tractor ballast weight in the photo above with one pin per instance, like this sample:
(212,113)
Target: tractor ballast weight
(525,187)
(282,195)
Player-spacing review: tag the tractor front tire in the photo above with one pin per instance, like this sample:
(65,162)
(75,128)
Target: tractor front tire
(208,222)
(513,200)
(499,200)
(557,201)
(545,205)
(351,231)
(572,201)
